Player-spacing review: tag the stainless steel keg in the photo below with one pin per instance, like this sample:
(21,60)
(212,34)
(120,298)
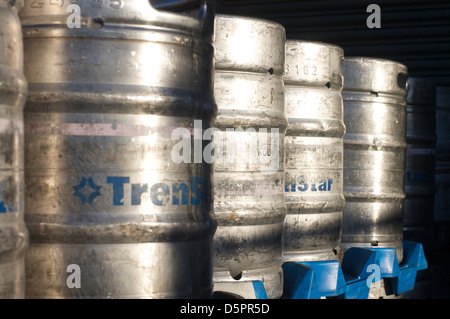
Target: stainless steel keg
(374,97)
(420,157)
(13,93)
(314,146)
(442,174)
(249,152)
(115,208)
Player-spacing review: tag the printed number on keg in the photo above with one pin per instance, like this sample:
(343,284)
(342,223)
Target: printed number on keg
(114,4)
(307,69)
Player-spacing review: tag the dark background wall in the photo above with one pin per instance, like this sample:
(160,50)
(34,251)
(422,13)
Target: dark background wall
(413,32)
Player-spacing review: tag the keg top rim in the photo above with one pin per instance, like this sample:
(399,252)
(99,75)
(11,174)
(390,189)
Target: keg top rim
(375,74)
(248,19)
(372,59)
(133,14)
(318,43)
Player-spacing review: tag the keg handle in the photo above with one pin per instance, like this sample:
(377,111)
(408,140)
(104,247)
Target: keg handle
(206,16)
(206,13)
(402,79)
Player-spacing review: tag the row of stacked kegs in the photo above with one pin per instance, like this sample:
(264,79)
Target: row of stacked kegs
(149,153)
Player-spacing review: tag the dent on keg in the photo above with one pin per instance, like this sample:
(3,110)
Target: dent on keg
(374,97)
(249,163)
(13,93)
(111,209)
(314,146)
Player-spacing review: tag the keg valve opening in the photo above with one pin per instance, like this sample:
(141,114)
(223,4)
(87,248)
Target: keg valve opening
(96,23)
(401,80)
(236,276)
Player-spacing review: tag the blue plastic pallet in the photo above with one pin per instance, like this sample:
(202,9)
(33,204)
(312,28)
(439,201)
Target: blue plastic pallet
(359,266)
(352,280)
(312,280)
(260,290)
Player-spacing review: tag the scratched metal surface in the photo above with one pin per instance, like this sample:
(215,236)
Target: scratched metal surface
(248,181)
(374,97)
(13,93)
(103,189)
(314,151)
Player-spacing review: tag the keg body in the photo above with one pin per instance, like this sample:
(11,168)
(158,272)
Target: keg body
(314,151)
(110,199)
(249,163)
(374,153)
(442,165)
(13,94)
(420,155)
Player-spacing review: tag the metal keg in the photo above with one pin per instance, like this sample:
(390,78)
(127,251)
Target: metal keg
(114,207)
(314,147)
(442,174)
(374,97)
(13,94)
(420,157)
(249,153)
